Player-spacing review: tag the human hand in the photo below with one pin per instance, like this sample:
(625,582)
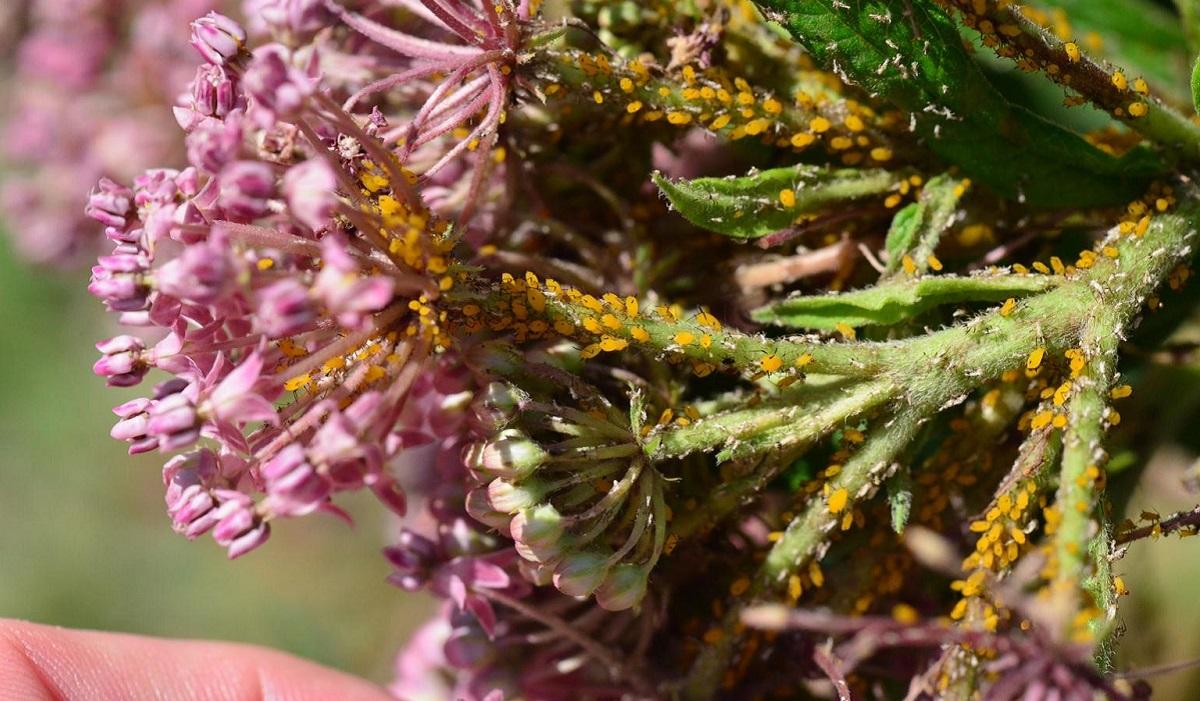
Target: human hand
(48,663)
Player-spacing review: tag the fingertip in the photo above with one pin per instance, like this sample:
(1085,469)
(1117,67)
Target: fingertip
(45,662)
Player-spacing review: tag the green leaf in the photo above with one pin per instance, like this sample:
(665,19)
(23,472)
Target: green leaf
(917,228)
(1141,36)
(750,207)
(898,300)
(1196,85)
(905,230)
(962,117)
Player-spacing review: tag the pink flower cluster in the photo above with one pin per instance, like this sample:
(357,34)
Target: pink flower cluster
(288,282)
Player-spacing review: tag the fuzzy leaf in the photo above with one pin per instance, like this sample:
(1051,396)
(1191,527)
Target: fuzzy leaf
(899,300)
(917,228)
(962,117)
(750,207)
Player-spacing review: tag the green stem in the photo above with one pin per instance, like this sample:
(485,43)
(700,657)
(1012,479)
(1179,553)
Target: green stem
(802,542)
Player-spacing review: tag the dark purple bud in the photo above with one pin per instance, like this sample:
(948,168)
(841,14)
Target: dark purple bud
(218,38)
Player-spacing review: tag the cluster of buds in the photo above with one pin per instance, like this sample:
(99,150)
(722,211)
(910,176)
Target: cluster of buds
(571,485)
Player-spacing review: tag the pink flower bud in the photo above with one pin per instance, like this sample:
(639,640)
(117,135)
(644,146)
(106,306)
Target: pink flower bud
(246,186)
(218,38)
(311,191)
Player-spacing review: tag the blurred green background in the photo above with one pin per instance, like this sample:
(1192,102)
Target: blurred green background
(84,536)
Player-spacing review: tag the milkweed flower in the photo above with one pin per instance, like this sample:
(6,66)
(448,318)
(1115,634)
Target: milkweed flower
(292,272)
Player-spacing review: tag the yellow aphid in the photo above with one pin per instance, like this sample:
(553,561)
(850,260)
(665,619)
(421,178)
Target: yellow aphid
(1007,308)
(631,306)
(845,330)
(1138,109)
(803,360)
(740,586)
(679,118)
(905,614)
(795,587)
(771,363)
(855,123)
(626,85)
(819,125)
(1119,80)
(1120,392)
(683,338)
(816,575)
(639,334)
(881,154)
(1140,87)
(297,382)
(1072,51)
(787,197)
(610,344)
(934,263)
(598,97)
(838,501)
(1035,359)
(633,107)
(802,139)
(909,265)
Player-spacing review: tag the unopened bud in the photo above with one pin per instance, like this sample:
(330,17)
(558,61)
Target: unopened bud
(623,588)
(510,497)
(539,533)
(512,456)
(581,573)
